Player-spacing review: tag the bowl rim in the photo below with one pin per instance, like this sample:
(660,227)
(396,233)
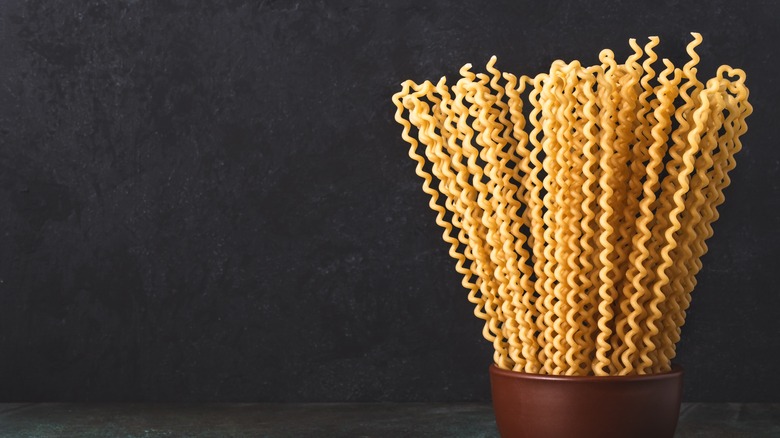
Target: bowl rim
(675,372)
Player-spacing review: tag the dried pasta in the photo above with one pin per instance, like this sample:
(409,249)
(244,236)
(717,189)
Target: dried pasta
(579,231)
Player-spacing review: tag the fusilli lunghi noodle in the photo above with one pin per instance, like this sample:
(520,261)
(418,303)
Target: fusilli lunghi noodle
(578,231)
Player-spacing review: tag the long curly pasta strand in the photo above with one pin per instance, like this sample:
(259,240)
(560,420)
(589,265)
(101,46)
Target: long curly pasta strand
(454,170)
(480,176)
(603,366)
(730,141)
(738,109)
(671,307)
(562,289)
(495,217)
(486,226)
(470,178)
(509,226)
(484,123)
(463,191)
(562,186)
(669,185)
(729,144)
(577,299)
(690,219)
(514,90)
(639,156)
(537,221)
(624,206)
(524,300)
(401,102)
(690,72)
(617,175)
(639,269)
(506,272)
(662,279)
(442,161)
(590,269)
(550,165)
(696,86)
(495,336)
(646,121)
(689,92)
(439,159)
(567,357)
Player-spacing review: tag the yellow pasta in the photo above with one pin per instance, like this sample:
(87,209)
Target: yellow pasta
(578,232)
(639,157)
(590,266)
(607,273)
(638,272)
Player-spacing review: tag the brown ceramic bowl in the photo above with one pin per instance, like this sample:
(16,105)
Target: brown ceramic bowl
(544,406)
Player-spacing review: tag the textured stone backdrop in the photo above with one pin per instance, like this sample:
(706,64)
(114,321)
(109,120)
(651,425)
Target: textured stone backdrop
(210,200)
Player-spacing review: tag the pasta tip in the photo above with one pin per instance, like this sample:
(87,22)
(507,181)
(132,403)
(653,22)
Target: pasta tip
(607,53)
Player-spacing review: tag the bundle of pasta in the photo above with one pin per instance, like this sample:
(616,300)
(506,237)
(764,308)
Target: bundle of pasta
(579,230)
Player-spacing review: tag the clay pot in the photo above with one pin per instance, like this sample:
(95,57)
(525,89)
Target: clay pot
(544,406)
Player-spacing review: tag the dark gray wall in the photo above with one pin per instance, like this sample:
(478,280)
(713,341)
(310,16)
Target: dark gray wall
(211,201)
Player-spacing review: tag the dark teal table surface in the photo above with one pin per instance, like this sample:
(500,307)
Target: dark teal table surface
(145,420)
